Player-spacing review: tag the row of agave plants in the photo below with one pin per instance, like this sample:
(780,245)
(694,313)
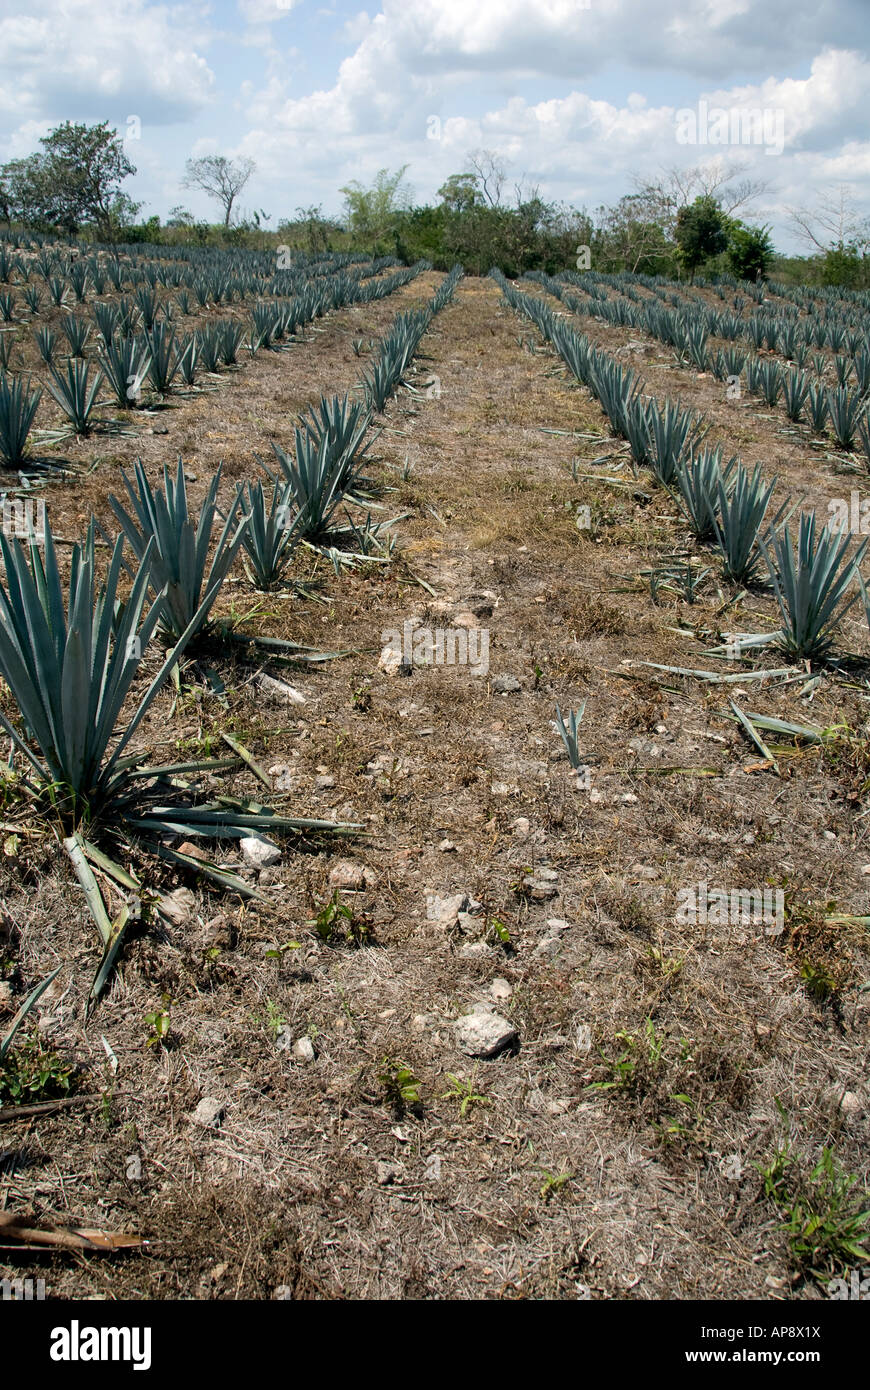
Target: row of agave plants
(831,316)
(128,360)
(815,580)
(347,285)
(71,658)
(845,411)
(77,269)
(687,326)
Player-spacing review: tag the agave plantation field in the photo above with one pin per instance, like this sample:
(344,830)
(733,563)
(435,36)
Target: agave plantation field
(435,731)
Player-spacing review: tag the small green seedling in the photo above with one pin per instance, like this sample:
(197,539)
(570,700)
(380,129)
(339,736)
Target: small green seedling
(401,1089)
(32,1072)
(464,1093)
(338,924)
(277,952)
(554,1182)
(160,1023)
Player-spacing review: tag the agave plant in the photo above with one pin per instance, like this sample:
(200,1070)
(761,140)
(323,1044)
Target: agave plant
(378,384)
(188,359)
(46,344)
(672,431)
(70,667)
(164,357)
(178,545)
(76,393)
(106,317)
(695,344)
(811,583)
(149,306)
(316,482)
(77,331)
(79,275)
(770,381)
(845,409)
(843,367)
(636,428)
(817,407)
(32,298)
(231,335)
(125,362)
(210,345)
(17,408)
(569,733)
(344,424)
(795,388)
(56,290)
(71,671)
(737,521)
(698,481)
(270,539)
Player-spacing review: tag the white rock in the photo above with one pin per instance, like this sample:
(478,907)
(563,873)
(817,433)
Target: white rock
(521,828)
(484,1034)
(390,660)
(303,1050)
(851,1103)
(556,925)
(501,989)
(445,911)
(475,950)
(208,1114)
(280,689)
(259,853)
(447,847)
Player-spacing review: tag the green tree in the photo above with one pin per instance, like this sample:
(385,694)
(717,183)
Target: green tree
(750,250)
(844,265)
(460,193)
(700,232)
(74,183)
(373,213)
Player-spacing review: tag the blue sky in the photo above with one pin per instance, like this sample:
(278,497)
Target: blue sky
(578,98)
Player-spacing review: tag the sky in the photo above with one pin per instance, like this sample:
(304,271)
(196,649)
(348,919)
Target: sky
(578,97)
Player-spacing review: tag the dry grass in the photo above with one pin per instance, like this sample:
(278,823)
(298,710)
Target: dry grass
(647,1196)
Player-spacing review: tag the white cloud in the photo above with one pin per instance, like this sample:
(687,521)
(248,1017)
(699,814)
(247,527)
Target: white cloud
(85,60)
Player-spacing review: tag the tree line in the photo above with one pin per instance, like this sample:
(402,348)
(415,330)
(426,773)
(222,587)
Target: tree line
(682,222)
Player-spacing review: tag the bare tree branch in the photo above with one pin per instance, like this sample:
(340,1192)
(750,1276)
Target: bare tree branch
(220,178)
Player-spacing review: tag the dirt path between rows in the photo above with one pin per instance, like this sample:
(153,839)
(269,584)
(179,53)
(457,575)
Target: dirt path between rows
(490,880)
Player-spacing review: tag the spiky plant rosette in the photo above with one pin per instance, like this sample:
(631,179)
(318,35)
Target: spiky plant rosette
(179,544)
(811,581)
(70,662)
